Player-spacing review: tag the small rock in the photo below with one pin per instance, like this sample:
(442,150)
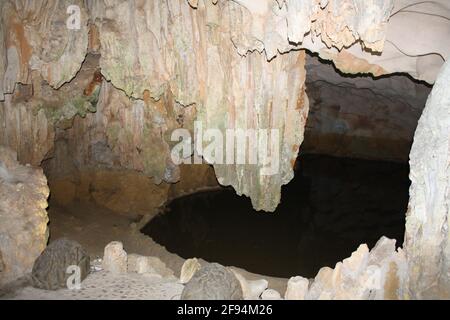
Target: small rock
(142,264)
(297,288)
(189,268)
(50,268)
(115,258)
(251,289)
(270,294)
(212,282)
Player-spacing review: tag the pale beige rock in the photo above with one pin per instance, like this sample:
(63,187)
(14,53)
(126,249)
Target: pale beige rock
(189,268)
(357,262)
(132,262)
(251,289)
(115,258)
(427,238)
(209,60)
(270,294)
(297,287)
(151,265)
(184,62)
(378,274)
(29,133)
(322,284)
(23,218)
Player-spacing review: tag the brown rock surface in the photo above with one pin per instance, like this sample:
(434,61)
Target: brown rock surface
(23,218)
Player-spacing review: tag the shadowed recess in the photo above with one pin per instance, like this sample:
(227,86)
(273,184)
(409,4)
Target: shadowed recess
(329,208)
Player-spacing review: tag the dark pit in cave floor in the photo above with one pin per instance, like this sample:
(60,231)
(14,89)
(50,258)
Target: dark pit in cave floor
(329,208)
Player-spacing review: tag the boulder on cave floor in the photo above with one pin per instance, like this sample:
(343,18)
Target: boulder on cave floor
(213,282)
(59,261)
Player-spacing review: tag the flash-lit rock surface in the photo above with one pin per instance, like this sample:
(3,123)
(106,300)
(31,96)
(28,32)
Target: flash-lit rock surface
(107,93)
(375,275)
(35,38)
(23,218)
(428,218)
(197,54)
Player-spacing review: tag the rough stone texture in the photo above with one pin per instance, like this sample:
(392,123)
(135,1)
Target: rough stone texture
(416,39)
(251,289)
(221,63)
(196,55)
(361,117)
(270,294)
(35,38)
(125,134)
(375,275)
(115,258)
(297,288)
(189,268)
(23,218)
(34,113)
(427,235)
(212,282)
(28,133)
(263,109)
(50,268)
(142,264)
(209,59)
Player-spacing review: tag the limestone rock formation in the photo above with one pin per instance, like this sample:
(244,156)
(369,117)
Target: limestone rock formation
(36,38)
(251,289)
(378,274)
(115,259)
(361,117)
(23,218)
(221,62)
(270,294)
(408,31)
(153,265)
(188,269)
(100,84)
(212,282)
(427,238)
(297,288)
(50,270)
(195,78)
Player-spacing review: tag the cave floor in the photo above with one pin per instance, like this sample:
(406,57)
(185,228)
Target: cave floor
(94,227)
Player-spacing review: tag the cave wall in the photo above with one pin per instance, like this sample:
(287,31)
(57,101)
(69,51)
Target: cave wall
(162,64)
(357,116)
(428,217)
(179,53)
(23,218)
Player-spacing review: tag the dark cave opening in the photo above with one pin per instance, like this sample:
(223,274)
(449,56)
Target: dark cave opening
(329,208)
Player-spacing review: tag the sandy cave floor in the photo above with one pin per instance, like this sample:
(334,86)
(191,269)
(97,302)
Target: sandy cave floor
(94,227)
